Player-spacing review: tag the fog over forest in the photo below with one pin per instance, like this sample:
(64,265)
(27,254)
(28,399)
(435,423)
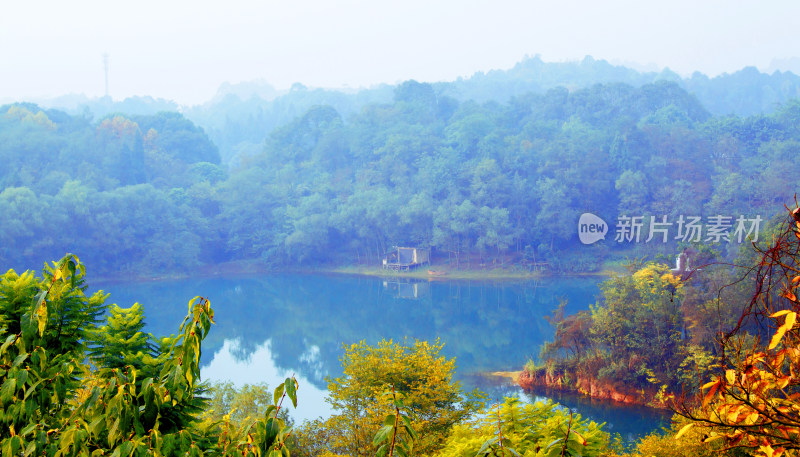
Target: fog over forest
(490,170)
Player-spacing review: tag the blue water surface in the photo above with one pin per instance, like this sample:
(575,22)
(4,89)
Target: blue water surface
(272,326)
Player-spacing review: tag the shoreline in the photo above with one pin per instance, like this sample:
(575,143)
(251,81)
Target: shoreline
(249,267)
(422,273)
(590,388)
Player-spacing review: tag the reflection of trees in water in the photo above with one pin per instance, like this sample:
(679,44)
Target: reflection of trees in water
(496,388)
(485,325)
(632,422)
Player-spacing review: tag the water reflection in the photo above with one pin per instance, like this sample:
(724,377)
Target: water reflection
(307,318)
(228,364)
(617,416)
(268,327)
(409,289)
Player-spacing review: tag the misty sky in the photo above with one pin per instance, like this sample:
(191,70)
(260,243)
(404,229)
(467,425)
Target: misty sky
(183,50)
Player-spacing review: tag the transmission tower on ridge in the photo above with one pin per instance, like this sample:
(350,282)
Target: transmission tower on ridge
(105,66)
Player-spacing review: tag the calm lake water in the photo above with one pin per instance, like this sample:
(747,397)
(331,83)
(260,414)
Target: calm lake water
(272,326)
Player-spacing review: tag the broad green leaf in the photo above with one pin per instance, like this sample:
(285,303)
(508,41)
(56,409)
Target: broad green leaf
(382,434)
(66,439)
(185,439)
(7,391)
(189,377)
(30,407)
(18,360)
(486,445)
(410,431)
(40,311)
(272,428)
(38,299)
(96,426)
(22,377)
(28,428)
(9,340)
(113,432)
(15,445)
(278,394)
(192,302)
(554,442)
(71,267)
(388,394)
(30,449)
(125,448)
(291,390)
(29,326)
(285,431)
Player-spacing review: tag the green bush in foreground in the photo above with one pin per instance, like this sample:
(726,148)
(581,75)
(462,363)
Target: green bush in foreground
(538,429)
(45,411)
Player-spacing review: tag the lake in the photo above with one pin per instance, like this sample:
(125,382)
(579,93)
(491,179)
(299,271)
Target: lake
(275,325)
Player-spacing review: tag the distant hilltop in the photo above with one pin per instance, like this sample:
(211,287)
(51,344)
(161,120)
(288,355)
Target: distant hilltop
(240,116)
(743,93)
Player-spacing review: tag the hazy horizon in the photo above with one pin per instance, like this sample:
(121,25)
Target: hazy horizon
(183,51)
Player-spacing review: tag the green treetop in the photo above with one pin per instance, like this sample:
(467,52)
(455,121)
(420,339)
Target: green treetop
(121,342)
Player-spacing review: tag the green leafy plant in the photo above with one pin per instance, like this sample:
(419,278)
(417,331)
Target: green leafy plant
(389,438)
(537,429)
(418,372)
(498,445)
(46,412)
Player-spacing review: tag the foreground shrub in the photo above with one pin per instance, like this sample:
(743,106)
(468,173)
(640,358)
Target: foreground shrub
(52,404)
(538,429)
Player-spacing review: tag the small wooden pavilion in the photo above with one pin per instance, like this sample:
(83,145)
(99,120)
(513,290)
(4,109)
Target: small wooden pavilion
(405,259)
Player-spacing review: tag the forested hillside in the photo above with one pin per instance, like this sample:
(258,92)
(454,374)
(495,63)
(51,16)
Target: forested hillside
(482,183)
(241,116)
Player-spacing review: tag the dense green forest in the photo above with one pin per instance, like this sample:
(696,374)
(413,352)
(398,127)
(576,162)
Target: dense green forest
(483,176)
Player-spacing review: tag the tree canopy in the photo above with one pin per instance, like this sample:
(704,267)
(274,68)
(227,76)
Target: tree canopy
(480,184)
(424,378)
